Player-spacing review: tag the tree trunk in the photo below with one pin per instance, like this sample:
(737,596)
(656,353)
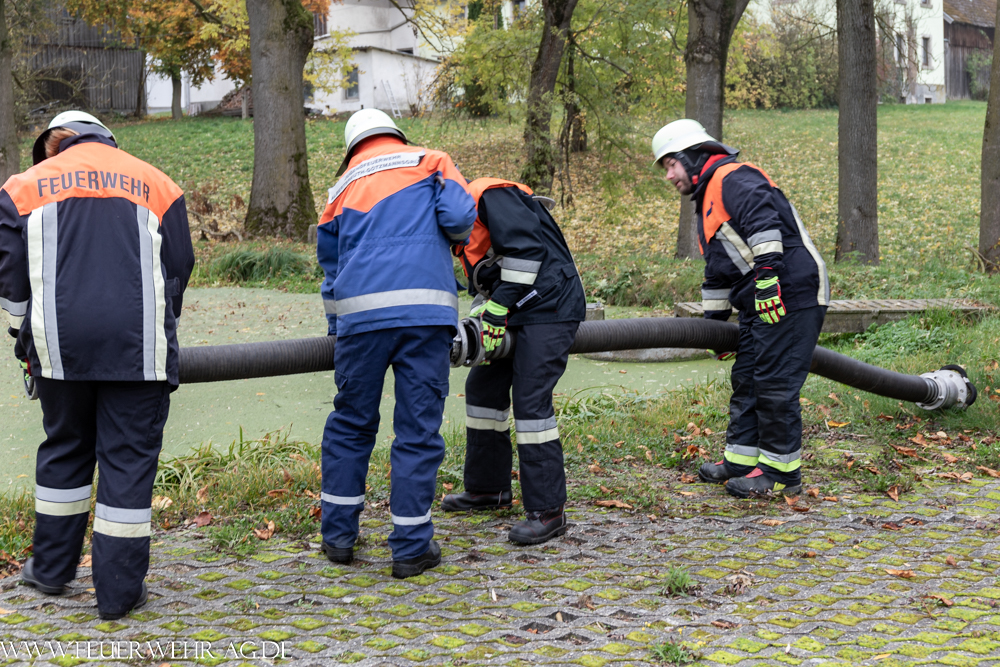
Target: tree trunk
(245,103)
(857,133)
(175,100)
(989,213)
(710,28)
(10,154)
(574,131)
(540,166)
(281,201)
(140,97)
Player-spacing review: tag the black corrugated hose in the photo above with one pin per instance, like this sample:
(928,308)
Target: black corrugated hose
(219,363)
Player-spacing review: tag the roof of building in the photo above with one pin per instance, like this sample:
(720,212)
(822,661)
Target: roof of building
(401,54)
(982,13)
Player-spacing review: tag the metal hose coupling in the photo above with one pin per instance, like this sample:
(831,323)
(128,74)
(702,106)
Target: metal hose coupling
(947,388)
(467,345)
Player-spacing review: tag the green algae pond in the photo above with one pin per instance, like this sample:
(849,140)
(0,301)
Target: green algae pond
(296,404)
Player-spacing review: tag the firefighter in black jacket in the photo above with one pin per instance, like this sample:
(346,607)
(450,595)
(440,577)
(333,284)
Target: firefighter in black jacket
(519,265)
(759,259)
(95,253)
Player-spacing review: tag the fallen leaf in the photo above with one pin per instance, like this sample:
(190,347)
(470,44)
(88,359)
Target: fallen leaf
(949,458)
(708,431)
(579,447)
(613,503)
(651,517)
(605,489)
(649,455)
(725,625)
(809,554)
(591,438)
(266,532)
(919,440)
(893,492)
(942,599)
(831,499)
(277,493)
(800,508)
(908,451)
(162,502)
(833,424)
(288,476)
(619,444)
(311,494)
(87,561)
(773,522)
(203,519)
(989,471)
(913,522)
(559,616)
(882,656)
(813,492)
(584,602)
(833,397)
(202,494)
(891,526)
(595,469)
(693,429)
(447,486)
(905,574)
(688,479)
(950,560)
(791,500)
(493,594)
(623,372)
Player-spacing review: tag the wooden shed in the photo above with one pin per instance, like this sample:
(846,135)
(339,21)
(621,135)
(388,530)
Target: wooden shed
(969,28)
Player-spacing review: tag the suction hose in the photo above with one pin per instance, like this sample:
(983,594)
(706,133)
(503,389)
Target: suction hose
(944,388)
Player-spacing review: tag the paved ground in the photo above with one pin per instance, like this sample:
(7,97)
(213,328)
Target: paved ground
(814,590)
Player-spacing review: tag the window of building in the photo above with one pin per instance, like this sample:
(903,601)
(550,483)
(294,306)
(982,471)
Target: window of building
(320,26)
(519,6)
(900,48)
(927,51)
(409,51)
(351,90)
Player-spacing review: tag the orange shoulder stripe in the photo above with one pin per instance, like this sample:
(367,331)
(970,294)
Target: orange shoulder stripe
(93,170)
(479,242)
(714,212)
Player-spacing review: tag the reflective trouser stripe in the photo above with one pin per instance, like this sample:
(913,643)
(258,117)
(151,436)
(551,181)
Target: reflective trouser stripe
(402,297)
(62,502)
(43,225)
(486,419)
(782,462)
(460,236)
(715,305)
(520,277)
(330,306)
(770,246)
(154,303)
(536,431)
(118,529)
(342,500)
(741,455)
(714,294)
(411,520)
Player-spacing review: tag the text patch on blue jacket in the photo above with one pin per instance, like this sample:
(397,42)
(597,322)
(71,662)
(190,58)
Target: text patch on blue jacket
(383,239)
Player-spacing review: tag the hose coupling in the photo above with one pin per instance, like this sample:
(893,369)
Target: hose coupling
(467,345)
(951,388)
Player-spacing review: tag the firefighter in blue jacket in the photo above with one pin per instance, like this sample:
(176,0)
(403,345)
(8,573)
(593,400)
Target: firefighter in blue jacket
(389,292)
(95,253)
(759,259)
(523,274)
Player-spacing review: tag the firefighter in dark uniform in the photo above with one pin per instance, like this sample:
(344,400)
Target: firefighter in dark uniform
(95,253)
(522,272)
(759,259)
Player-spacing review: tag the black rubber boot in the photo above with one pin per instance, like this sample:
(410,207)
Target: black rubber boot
(143,597)
(465,501)
(718,473)
(411,567)
(756,485)
(28,577)
(539,527)
(340,555)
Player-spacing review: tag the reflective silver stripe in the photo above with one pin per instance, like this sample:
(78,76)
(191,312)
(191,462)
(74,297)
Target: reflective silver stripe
(478,424)
(742,450)
(62,509)
(116,529)
(411,520)
(770,246)
(122,515)
(15,322)
(537,437)
(823,293)
(534,425)
(330,306)
(487,413)
(402,297)
(709,294)
(520,277)
(460,236)
(342,500)
(373,166)
(738,251)
(63,495)
(43,225)
(764,237)
(516,264)
(781,458)
(154,301)
(15,308)
(716,304)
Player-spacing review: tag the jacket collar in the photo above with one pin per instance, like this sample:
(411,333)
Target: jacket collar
(713,163)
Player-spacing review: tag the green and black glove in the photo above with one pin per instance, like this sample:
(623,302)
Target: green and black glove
(494,325)
(767,297)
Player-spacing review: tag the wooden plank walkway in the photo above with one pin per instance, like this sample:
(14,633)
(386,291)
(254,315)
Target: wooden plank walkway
(855,316)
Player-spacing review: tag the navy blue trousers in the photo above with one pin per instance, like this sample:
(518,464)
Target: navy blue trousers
(539,361)
(419,360)
(118,426)
(765,418)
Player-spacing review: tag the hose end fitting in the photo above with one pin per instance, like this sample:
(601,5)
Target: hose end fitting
(467,345)
(951,388)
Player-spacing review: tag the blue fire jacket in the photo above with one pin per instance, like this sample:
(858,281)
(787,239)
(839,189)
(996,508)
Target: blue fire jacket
(95,253)
(383,239)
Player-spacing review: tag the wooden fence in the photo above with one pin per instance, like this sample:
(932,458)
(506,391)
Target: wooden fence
(959,83)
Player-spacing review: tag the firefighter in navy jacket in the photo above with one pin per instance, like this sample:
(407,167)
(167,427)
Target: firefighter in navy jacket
(760,260)
(95,253)
(390,299)
(521,269)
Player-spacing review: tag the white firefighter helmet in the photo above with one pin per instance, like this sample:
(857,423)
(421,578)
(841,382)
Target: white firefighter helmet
(80,121)
(678,136)
(363,124)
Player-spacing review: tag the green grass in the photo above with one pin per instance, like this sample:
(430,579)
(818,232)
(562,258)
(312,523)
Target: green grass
(671,654)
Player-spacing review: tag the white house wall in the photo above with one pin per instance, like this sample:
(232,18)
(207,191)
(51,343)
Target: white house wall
(374,23)
(194,99)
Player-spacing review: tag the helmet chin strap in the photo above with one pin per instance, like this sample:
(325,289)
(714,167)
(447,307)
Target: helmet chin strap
(693,162)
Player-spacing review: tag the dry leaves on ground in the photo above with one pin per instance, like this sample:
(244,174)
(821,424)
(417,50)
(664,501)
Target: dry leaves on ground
(162,502)
(266,532)
(739,582)
(904,574)
(724,625)
(893,492)
(613,503)
(87,561)
(964,477)
(940,598)
(202,494)
(315,513)
(688,479)
(203,519)
(772,522)
(989,471)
